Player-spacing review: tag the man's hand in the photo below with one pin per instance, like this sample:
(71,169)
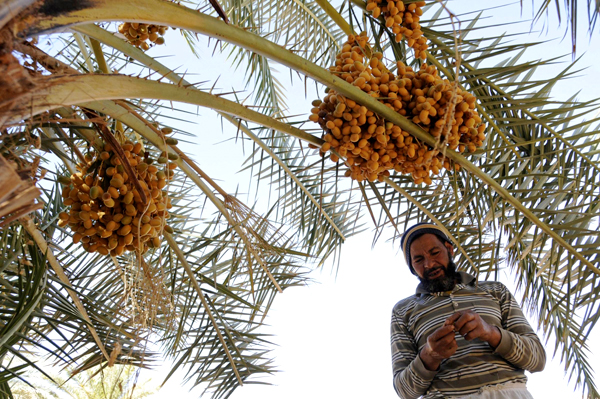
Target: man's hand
(470,325)
(441,344)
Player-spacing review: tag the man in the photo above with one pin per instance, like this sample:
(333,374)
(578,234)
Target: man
(457,337)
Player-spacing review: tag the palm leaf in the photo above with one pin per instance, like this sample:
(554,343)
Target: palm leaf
(532,190)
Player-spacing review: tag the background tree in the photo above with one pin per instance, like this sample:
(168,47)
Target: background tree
(117,382)
(532,190)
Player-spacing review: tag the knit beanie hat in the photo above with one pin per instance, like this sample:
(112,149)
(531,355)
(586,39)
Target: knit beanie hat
(415,232)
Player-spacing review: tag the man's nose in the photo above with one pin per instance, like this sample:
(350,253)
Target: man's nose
(428,263)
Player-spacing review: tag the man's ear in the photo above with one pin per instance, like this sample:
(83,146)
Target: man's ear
(450,248)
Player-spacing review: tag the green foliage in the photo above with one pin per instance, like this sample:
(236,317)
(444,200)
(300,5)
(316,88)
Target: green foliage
(117,382)
(526,201)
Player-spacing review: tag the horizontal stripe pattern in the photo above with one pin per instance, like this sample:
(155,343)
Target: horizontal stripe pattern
(475,364)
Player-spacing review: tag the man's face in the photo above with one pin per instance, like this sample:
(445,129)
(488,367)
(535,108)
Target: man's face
(431,258)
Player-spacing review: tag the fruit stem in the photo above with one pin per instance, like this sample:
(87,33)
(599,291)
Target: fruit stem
(337,18)
(97,48)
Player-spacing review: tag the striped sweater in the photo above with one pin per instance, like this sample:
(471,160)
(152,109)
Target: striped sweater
(475,364)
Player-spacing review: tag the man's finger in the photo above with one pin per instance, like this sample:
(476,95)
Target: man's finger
(453,318)
(443,344)
(469,329)
(447,340)
(442,332)
(463,319)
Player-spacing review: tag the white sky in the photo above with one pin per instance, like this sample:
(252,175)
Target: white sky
(332,337)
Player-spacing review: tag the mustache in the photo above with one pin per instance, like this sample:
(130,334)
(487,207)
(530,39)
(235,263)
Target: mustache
(443,283)
(431,271)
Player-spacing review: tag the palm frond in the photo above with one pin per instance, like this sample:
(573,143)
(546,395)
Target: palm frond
(300,26)
(542,151)
(526,201)
(571,11)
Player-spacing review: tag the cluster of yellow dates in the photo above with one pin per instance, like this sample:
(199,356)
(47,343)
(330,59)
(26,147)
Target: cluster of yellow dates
(403,20)
(107,213)
(371,145)
(140,34)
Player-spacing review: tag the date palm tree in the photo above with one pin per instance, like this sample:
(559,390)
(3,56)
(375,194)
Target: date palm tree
(527,200)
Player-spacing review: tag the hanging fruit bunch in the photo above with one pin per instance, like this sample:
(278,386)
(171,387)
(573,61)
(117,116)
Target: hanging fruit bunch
(371,145)
(107,213)
(403,19)
(139,34)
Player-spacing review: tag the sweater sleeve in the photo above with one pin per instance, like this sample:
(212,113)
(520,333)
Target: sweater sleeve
(411,378)
(519,344)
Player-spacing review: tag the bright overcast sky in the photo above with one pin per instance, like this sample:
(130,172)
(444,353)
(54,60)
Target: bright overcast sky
(333,336)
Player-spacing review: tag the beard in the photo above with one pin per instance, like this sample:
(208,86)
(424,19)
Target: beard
(446,282)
